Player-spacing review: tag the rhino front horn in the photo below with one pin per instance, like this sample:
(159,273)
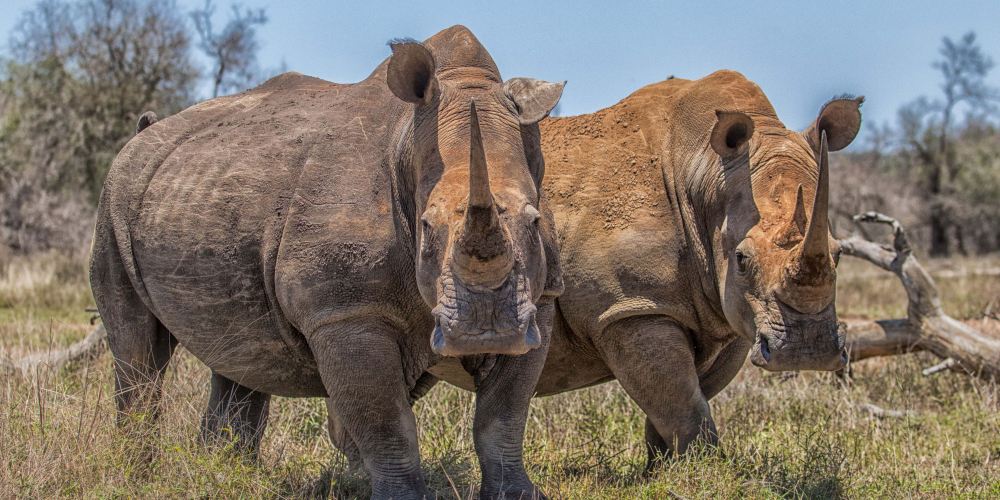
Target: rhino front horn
(817,234)
(482,255)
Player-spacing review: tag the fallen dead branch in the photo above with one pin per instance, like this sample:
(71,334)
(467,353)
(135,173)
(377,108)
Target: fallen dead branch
(92,346)
(879,412)
(926,326)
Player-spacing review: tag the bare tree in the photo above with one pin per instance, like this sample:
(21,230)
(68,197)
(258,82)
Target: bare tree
(79,75)
(233,51)
(928,130)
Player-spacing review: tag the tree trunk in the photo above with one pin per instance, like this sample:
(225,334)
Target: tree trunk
(939,230)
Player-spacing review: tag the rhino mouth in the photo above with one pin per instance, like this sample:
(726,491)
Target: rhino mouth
(803,345)
(471,320)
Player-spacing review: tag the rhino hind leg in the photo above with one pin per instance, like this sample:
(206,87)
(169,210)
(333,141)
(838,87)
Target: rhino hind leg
(361,365)
(235,414)
(653,360)
(141,351)
(140,344)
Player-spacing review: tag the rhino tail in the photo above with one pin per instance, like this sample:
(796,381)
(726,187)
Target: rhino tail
(148,118)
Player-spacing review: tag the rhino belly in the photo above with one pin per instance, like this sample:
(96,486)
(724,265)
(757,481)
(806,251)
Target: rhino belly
(215,303)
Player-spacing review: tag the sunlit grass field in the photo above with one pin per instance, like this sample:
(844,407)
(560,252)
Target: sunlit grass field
(782,435)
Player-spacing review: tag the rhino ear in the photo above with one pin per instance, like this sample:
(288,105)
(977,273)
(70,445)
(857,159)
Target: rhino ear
(534,98)
(148,118)
(410,75)
(840,119)
(732,130)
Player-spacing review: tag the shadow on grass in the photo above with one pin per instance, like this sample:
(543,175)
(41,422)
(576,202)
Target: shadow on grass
(818,469)
(603,465)
(814,467)
(449,476)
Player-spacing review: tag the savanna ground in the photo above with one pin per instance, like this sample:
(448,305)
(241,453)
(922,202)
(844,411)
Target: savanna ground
(782,435)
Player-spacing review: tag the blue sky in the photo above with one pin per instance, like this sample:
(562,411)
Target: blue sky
(800,54)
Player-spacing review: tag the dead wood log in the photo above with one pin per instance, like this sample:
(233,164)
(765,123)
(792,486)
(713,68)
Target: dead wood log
(92,346)
(926,326)
(879,412)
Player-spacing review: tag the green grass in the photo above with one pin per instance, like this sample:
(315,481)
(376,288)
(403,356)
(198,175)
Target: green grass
(781,435)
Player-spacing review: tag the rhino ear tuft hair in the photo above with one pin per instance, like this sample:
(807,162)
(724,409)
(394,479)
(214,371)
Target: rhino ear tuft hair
(148,118)
(840,119)
(534,98)
(732,131)
(410,75)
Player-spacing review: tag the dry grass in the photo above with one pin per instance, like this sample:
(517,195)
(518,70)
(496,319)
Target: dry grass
(782,436)
(970,288)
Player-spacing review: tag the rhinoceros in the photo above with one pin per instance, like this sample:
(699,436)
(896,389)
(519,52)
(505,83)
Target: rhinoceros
(307,238)
(693,230)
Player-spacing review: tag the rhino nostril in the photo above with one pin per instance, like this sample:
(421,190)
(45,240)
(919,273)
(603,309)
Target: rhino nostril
(765,350)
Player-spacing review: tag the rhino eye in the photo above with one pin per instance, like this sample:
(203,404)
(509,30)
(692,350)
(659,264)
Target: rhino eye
(427,235)
(742,262)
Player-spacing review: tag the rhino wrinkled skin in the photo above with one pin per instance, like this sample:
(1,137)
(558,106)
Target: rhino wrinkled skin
(693,230)
(307,238)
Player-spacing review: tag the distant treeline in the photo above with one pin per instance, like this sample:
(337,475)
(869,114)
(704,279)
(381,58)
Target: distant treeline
(78,73)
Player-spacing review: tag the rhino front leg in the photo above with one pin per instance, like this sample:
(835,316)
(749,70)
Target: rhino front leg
(235,413)
(342,440)
(653,360)
(503,396)
(361,366)
(726,366)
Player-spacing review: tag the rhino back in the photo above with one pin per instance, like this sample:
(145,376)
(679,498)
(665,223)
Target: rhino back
(210,192)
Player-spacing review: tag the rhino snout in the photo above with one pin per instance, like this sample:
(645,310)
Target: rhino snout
(800,344)
(471,320)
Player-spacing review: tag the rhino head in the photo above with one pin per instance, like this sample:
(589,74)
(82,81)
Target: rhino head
(779,258)
(481,264)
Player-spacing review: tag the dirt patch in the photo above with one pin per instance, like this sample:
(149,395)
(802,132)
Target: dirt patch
(602,162)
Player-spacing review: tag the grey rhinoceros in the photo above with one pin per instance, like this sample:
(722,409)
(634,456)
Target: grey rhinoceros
(693,230)
(307,238)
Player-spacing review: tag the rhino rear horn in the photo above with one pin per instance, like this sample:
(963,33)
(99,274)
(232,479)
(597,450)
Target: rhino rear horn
(148,118)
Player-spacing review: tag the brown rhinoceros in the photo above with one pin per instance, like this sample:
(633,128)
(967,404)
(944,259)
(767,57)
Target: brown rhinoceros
(307,238)
(693,229)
